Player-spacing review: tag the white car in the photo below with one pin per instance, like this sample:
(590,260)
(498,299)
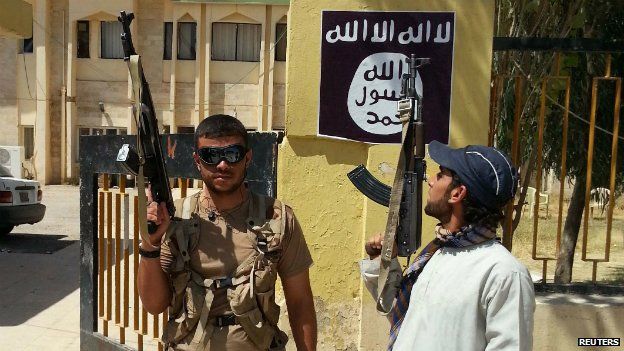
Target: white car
(20,201)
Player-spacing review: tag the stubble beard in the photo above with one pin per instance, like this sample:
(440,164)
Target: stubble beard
(222,192)
(441,210)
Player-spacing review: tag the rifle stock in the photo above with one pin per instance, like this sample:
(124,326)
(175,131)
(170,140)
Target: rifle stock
(150,153)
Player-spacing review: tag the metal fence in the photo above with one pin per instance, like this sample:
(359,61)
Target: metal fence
(514,88)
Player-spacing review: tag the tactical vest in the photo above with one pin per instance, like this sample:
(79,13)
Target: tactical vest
(250,289)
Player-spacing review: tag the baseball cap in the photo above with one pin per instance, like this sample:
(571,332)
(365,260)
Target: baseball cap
(487,173)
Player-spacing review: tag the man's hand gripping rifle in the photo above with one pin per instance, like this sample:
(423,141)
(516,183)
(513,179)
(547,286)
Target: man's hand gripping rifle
(148,161)
(404,198)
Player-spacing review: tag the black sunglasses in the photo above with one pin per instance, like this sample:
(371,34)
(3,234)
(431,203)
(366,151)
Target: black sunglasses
(211,155)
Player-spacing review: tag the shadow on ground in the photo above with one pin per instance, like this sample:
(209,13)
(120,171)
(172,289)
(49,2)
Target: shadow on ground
(33,243)
(36,271)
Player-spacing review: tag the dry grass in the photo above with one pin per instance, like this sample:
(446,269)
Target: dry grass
(611,272)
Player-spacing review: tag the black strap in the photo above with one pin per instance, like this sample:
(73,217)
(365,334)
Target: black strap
(149,254)
(222,282)
(225,320)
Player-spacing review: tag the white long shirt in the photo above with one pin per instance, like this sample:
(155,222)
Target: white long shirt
(476,298)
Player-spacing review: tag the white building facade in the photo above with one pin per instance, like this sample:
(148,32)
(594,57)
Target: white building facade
(200,58)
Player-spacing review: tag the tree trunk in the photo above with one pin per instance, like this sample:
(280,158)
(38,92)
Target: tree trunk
(565,258)
(527,173)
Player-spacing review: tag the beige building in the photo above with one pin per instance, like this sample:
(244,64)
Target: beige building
(199,58)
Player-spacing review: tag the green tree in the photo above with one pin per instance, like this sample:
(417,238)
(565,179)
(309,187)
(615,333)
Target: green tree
(598,19)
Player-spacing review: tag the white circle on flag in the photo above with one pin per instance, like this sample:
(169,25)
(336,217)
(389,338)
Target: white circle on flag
(374,92)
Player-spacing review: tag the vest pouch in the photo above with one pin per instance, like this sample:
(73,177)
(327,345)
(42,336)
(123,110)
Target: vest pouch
(271,231)
(250,317)
(270,311)
(258,330)
(173,328)
(265,293)
(180,327)
(179,291)
(194,301)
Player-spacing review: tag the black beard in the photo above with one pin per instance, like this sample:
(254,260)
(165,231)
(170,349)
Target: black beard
(234,189)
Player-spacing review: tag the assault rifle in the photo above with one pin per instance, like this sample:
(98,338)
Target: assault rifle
(406,193)
(149,160)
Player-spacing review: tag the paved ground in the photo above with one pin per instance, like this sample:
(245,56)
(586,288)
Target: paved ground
(39,264)
(39,282)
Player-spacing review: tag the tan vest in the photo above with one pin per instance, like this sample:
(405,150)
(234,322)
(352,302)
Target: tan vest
(250,291)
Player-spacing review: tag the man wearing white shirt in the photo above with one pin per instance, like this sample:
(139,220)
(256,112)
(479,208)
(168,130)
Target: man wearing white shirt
(464,291)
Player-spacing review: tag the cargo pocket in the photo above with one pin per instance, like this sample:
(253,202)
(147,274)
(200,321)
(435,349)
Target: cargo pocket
(173,329)
(193,303)
(181,329)
(250,317)
(266,301)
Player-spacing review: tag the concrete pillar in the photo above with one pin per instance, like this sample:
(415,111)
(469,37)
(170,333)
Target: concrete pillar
(207,47)
(42,120)
(94,39)
(269,65)
(172,79)
(263,69)
(13,71)
(63,134)
(200,66)
(70,104)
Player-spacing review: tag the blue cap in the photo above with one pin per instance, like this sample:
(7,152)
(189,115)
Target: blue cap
(487,173)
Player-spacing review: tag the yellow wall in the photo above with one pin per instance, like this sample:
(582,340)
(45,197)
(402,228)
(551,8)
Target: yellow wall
(335,217)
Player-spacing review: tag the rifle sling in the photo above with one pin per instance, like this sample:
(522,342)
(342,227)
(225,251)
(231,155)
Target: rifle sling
(393,216)
(134,66)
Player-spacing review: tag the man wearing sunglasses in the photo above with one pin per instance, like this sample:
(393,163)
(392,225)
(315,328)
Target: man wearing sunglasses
(215,264)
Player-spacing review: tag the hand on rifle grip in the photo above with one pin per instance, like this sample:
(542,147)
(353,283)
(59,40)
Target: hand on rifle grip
(151,227)
(158,219)
(374,245)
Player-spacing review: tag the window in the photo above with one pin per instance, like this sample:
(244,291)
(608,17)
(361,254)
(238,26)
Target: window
(186,40)
(101,131)
(111,40)
(82,35)
(280,42)
(223,41)
(29,142)
(236,42)
(27,45)
(167,40)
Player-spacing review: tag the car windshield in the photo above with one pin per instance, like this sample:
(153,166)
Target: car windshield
(4,172)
